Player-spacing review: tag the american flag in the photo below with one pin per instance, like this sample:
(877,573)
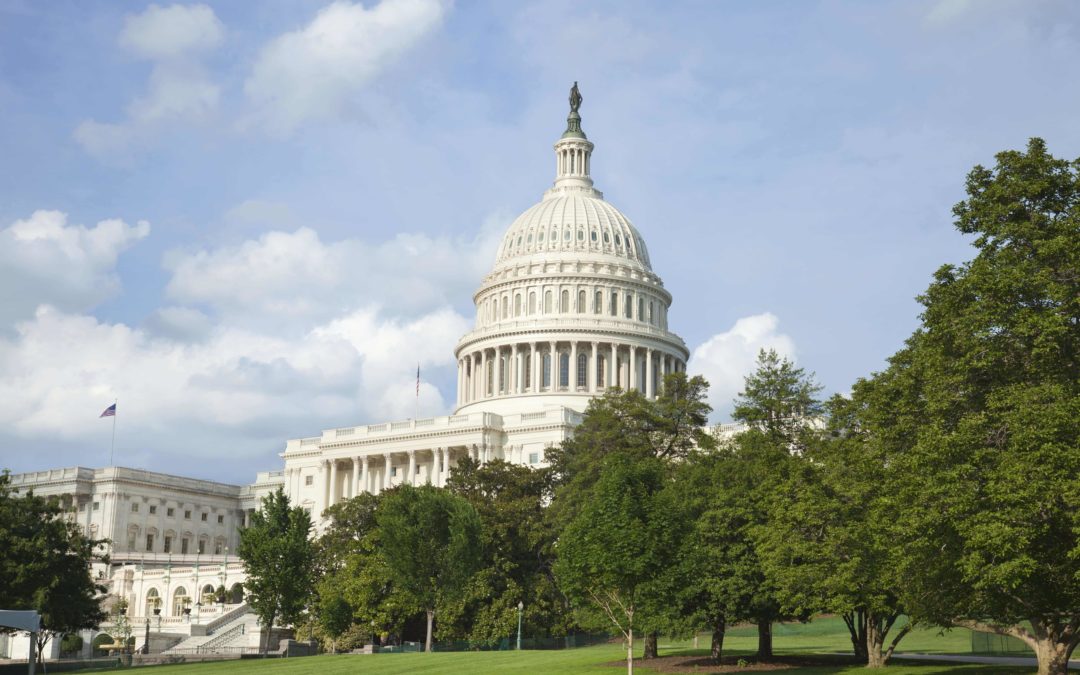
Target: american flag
(418,380)
(109,412)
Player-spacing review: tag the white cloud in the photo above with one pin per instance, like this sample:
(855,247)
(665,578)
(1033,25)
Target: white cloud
(174,38)
(726,358)
(312,73)
(162,33)
(295,275)
(43,260)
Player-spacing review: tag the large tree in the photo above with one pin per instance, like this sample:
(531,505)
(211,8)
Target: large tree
(780,407)
(430,540)
(278,558)
(45,564)
(669,428)
(829,543)
(988,392)
(627,534)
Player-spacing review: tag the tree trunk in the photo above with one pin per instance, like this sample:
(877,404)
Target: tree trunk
(430,621)
(874,640)
(1053,657)
(651,638)
(269,628)
(764,639)
(717,650)
(630,651)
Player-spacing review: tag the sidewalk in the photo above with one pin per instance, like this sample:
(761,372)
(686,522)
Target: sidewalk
(972,658)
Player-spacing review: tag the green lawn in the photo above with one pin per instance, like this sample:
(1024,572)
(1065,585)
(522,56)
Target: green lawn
(822,636)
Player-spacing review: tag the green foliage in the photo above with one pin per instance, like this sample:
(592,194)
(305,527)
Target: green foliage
(335,616)
(778,399)
(45,564)
(987,395)
(614,553)
(430,541)
(278,558)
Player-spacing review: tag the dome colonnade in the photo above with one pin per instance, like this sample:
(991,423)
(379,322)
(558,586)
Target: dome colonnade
(572,306)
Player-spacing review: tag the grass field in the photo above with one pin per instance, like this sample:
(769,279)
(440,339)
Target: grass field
(824,636)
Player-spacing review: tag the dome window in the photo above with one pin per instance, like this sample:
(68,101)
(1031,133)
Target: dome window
(540,236)
(607,238)
(530,238)
(618,240)
(594,236)
(580,235)
(566,235)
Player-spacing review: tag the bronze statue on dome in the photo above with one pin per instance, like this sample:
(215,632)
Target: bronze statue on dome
(575,98)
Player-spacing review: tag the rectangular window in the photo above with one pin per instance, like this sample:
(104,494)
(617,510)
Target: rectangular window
(170,511)
(168,544)
(82,507)
(202,546)
(599,306)
(545,381)
(534,457)
(153,509)
(221,520)
(149,542)
(528,370)
(217,548)
(393,471)
(204,516)
(187,515)
(583,371)
(564,370)
(184,545)
(613,306)
(134,508)
(96,506)
(628,307)
(309,480)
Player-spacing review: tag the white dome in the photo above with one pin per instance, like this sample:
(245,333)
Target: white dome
(574,223)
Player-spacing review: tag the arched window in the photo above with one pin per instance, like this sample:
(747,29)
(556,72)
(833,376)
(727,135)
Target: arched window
(540,236)
(600,360)
(207,595)
(502,375)
(517,304)
(564,370)
(528,370)
(489,376)
(494,309)
(547,302)
(613,307)
(599,306)
(566,235)
(180,599)
(545,381)
(564,304)
(628,307)
(153,600)
(532,302)
(652,313)
(506,307)
(581,302)
(641,309)
(593,233)
(582,370)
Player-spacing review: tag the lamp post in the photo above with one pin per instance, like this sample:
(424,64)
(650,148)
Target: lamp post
(146,638)
(373,636)
(521,606)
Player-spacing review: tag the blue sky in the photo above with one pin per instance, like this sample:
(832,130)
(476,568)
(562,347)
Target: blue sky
(249,221)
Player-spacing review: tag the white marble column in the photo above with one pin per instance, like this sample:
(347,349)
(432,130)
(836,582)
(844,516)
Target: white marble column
(483,374)
(497,383)
(633,368)
(333,483)
(648,374)
(611,374)
(470,380)
(535,386)
(592,368)
(365,478)
(412,468)
(553,371)
(386,471)
(572,384)
(324,470)
(513,380)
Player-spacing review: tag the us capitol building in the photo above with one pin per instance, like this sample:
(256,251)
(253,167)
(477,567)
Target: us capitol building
(571,307)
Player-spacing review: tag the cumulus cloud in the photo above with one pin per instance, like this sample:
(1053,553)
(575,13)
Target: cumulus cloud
(269,339)
(295,275)
(726,358)
(175,39)
(44,260)
(246,390)
(314,72)
(162,33)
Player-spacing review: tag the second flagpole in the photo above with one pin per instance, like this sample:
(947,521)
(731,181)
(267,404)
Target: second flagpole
(112,446)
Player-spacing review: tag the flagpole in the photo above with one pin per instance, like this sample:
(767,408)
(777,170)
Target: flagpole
(416,408)
(112,446)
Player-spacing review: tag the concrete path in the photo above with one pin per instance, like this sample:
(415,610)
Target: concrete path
(972,658)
